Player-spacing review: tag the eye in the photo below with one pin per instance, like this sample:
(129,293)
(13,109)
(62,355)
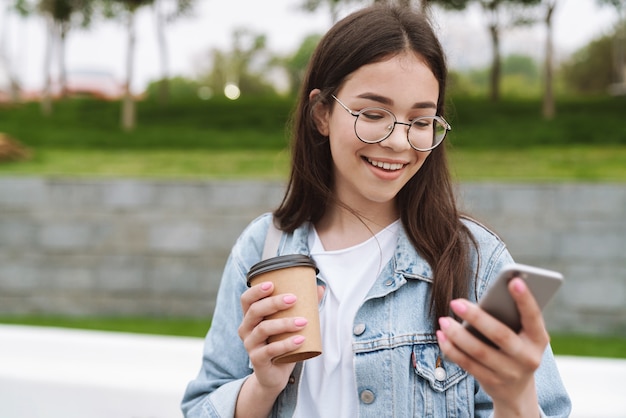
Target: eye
(371,114)
(422,123)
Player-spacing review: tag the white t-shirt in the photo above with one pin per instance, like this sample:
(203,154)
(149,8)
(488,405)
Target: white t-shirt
(328,387)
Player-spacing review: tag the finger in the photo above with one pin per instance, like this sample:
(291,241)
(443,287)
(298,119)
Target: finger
(531,317)
(320,292)
(255,293)
(473,349)
(263,308)
(263,355)
(454,354)
(494,330)
(272,327)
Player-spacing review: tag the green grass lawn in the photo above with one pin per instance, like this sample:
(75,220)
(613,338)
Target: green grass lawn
(180,327)
(540,164)
(562,344)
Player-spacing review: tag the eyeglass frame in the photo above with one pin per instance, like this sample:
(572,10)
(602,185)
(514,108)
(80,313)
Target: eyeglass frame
(356,114)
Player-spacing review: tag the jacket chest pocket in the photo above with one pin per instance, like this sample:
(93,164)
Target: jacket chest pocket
(442,389)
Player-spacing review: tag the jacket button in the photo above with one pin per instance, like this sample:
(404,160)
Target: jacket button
(292,380)
(367,396)
(388,282)
(359,329)
(440,374)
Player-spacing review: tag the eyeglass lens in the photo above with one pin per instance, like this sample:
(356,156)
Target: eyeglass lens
(375,124)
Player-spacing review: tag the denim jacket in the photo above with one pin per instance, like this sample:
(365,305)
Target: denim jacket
(394,343)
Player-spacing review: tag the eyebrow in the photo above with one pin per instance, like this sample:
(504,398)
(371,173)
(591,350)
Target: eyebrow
(389,102)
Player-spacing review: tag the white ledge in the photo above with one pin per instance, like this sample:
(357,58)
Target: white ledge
(62,373)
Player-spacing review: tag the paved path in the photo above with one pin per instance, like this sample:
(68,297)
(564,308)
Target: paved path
(56,373)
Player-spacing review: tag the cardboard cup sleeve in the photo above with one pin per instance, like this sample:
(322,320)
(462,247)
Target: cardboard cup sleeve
(295,274)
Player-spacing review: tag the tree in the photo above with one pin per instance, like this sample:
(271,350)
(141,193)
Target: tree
(333,5)
(21,8)
(295,64)
(500,14)
(127,9)
(548,106)
(619,45)
(60,16)
(589,69)
(236,67)
(176,9)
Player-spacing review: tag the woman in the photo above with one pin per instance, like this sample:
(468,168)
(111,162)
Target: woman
(370,200)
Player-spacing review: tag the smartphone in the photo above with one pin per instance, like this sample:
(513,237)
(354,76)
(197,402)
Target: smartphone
(498,302)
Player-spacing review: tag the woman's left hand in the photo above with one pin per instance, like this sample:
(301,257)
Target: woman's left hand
(506,374)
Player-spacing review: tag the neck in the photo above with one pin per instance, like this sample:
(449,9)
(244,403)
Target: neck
(341,227)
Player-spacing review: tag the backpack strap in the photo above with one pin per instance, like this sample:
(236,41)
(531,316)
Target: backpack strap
(272,240)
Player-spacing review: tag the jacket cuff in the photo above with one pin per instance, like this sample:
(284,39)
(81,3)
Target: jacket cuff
(221,402)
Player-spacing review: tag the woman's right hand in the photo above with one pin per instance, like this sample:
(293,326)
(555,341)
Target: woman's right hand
(257,304)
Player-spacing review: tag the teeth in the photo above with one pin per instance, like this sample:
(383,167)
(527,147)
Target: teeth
(385,166)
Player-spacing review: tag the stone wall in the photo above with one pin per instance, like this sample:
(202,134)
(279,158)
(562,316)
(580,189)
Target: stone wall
(147,247)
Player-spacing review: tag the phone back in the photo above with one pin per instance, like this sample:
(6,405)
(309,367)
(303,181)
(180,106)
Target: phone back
(498,302)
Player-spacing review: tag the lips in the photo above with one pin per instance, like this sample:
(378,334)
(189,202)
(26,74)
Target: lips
(385,165)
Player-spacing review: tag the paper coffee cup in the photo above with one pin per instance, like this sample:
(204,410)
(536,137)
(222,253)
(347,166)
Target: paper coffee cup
(295,274)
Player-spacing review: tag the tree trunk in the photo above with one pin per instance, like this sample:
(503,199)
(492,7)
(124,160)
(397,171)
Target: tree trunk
(63,29)
(494,77)
(619,49)
(46,99)
(549,110)
(128,103)
(5,62)
(164,88)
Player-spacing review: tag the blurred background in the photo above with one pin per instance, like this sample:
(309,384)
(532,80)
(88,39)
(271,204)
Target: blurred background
(139,137)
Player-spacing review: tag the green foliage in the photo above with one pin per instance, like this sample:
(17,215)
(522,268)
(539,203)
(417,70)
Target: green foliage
(237,66)
(618,4)
(260,123)
(180,89)
(514,124)
(187,123)
(520,79)
(22,7)
(522,65)
(589,70)
(296,64)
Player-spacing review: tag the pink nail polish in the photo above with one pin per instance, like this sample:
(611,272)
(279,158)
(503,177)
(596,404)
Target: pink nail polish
(458,306)
(266,285)
(444,323)
(519,286)
(300,322)
(289,299)
(298,339)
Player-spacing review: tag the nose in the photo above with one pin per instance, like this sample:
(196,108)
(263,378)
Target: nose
(398,139)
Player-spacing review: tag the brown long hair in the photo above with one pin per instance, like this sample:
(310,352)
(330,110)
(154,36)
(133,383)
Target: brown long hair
(427,204)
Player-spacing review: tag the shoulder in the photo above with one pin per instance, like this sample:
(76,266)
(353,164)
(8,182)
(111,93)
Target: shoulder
(249,245)
(480,232)
(490,253)
(248,249)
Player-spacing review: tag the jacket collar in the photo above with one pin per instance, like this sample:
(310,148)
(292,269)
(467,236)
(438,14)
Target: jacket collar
(407,262)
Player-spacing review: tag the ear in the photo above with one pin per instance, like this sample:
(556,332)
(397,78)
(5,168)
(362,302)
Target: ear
(320,112)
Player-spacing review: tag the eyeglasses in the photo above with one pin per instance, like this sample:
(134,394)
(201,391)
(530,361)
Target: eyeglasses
(375,124)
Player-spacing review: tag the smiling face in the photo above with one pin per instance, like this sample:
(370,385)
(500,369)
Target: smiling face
(368,175)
